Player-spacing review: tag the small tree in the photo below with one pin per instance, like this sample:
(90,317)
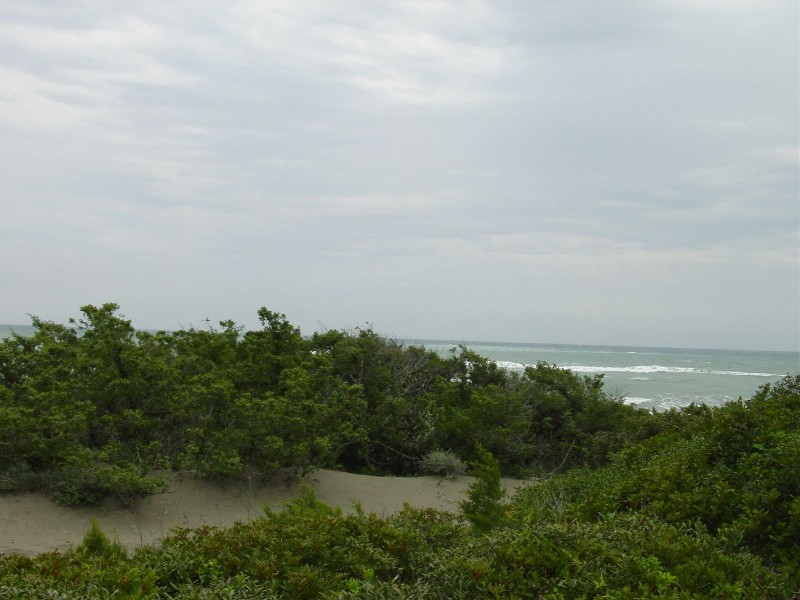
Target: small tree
(483,505)
(97,543)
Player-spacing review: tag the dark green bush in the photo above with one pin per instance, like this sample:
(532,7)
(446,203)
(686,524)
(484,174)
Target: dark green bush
(483,505)
(312,551)
(225,403)
(699,502)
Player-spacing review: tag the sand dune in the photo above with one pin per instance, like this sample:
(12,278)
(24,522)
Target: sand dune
(31,524)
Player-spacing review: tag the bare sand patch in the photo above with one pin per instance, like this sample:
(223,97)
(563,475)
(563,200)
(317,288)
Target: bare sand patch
(30,523)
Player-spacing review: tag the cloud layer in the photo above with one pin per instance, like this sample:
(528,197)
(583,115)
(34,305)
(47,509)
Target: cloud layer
(618,173)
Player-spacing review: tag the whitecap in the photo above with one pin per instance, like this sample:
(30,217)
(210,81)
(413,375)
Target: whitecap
(644,369)
(634,369)
(635,400)
(510,365)
(744,374)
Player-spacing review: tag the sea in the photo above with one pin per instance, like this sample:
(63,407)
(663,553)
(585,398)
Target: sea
(652,378)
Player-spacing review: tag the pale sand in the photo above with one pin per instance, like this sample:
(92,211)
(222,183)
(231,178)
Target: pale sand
(31,524)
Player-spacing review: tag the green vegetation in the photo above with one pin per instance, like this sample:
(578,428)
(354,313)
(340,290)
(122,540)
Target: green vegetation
(442,463)
(88,410)
(482,506)
(694,503)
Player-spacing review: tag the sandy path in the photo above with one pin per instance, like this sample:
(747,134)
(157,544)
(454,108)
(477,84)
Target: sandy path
(30,523)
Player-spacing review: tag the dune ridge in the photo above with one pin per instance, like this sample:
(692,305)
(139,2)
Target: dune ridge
(30,523)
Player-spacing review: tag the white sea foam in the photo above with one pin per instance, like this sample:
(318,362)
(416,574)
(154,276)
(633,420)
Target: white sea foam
(510,366)
(740,373)
(639,369)
(658,378)
(661,369)
(634,400)
(634,369)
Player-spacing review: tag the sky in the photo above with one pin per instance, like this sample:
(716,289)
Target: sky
(555,171)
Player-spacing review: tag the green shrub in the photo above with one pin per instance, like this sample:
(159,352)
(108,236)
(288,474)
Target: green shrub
(92,484)
(97,544)
(620,556)
(483,505)
(85,416)
(312,551)
(442,463)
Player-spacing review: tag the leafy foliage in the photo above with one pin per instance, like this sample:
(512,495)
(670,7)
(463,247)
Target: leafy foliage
(482,506)
(442,463)
(309,550)
(87,410)
(731,470)
(694,503)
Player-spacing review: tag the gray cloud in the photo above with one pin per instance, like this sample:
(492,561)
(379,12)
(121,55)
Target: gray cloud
(534,171)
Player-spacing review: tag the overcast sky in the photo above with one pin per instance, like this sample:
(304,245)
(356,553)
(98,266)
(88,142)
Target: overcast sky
(538,171)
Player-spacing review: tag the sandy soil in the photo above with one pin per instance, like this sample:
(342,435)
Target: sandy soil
(31,524)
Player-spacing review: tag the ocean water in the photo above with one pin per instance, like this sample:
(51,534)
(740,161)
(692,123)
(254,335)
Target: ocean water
(659,378)
(7,330)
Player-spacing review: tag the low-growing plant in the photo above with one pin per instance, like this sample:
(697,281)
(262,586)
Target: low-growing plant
(91,485)
(97,544)
(442,463)
(691,503)
(310,551)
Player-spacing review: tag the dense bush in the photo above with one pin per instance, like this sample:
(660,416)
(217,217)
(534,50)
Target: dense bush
(733,471)
(694,503)
(442,463)
(483,505)
(311,551)
(737,471)
(88,409)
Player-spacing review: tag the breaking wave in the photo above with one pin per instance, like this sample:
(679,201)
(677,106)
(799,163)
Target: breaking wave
(635,400)
(643,369)
(638,369)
